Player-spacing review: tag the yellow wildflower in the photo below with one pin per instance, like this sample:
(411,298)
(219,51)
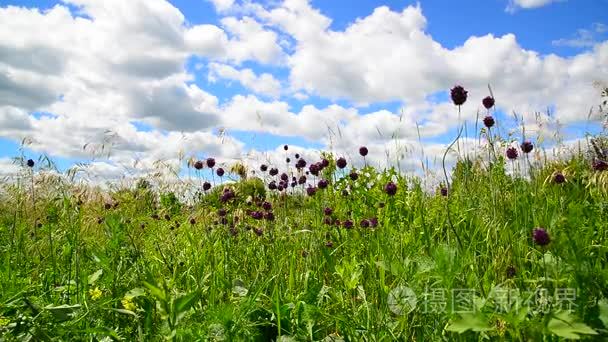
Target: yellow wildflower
(4,321)
(128,304)
(95,293)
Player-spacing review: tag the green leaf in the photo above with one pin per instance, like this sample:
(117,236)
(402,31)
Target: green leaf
(155,291)
(95,276)
(63,312)
(603,304)
(136,292)
(185,302)
(466,322)
(125,311)
(564,325)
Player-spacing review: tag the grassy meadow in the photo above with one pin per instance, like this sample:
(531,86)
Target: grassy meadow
(514,247)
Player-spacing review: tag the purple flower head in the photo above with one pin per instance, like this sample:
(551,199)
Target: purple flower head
(328,211)
(390,188)
(345,193)
(301,163)
(541,237)
(227,196)
(284,177)
(511,271)
(324,162)
(329,244)
(221,212)
(363,151)
(310,191)
(282,185)
(354,176)
(599,165)
(512,153)
(210,162)
(327,220)
(220,172)
(285,147)
(267,205)
(274,171)
(527,146)
(258,231)
(269,216)
(302,180)
(559,178)
(206,186)
(365,223)
(30,163)
(337,223)
(488,102)
(373,222)
(341,162)
(348,224)
(294,184)
(263,167)
(272,185)
(444,191)
(323,184)
(459,95)
(314,169)
(488,121)
(257,215)
(198,165)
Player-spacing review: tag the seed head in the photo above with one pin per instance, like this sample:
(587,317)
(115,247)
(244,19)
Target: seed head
(527,146)
(599,165)
(541,236)
(263,167)
(341,162)
(210,162)
(323,184)
(198,165)
(285,147)
(30,163)
(444,191)
(363,151)
(206,186)
(512,153)
(488,102)
(558,178)
(488,121)
(390,188)
(354,176)
(459,95)
(511,271)
(220,172)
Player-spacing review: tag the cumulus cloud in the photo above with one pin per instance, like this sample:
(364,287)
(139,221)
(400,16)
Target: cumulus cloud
(264,84)
(106,66)
(514,5)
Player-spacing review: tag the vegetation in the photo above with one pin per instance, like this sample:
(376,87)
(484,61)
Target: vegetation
(513,248)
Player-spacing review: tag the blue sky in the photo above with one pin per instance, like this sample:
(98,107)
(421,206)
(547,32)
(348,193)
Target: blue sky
(224,49)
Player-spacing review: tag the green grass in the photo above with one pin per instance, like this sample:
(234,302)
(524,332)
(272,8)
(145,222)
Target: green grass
(73,269)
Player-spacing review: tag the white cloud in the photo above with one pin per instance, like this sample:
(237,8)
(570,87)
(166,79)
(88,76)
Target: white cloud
(264,84)
(528,4)
(583,38)
(222,5)
(114,63)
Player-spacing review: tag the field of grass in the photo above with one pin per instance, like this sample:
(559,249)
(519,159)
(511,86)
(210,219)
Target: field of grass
(501,253)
